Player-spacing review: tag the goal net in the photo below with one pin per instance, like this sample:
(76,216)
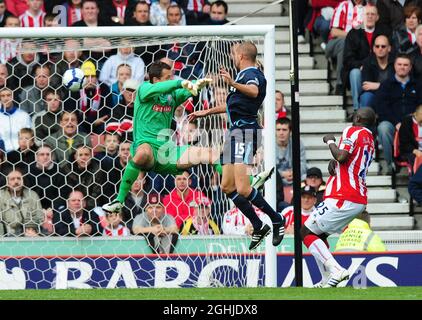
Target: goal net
(65,152)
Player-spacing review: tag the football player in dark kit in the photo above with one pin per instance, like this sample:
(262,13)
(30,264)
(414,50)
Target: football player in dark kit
(247,92)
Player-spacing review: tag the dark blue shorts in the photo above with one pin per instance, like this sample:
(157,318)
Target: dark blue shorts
(241,144)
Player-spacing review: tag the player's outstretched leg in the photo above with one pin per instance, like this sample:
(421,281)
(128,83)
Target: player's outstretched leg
(142,157)
(320,251)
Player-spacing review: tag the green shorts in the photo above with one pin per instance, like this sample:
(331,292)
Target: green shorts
(166,155)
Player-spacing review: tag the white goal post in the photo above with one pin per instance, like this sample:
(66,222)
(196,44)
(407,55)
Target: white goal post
(266,32)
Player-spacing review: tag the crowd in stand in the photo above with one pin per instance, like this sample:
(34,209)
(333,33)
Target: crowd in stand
(62,153)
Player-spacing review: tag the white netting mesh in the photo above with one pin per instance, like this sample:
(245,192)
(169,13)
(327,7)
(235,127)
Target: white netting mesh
(37,223)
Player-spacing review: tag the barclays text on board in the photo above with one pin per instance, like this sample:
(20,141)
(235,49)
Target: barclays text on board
(387,269)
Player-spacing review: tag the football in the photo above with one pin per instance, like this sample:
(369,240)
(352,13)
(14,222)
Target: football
(73,79)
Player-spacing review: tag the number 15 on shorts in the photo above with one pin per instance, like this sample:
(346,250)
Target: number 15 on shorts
(239,149)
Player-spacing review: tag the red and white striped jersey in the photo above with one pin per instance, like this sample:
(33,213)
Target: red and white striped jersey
(347,16)
(120,9)
(349,183)
(8,49)
(288,214)
(28,20)
(120,231)
(195,5)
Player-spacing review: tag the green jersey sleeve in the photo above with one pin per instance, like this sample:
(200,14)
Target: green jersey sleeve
(181,95)
(149,90)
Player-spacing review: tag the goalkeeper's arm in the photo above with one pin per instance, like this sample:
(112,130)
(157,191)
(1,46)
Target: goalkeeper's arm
(204,113)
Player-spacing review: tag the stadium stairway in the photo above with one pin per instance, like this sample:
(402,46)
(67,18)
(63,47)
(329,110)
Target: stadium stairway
(322,113)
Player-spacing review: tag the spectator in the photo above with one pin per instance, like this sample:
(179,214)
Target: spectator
(410,136)
(320,18)
(94,108)
(314,180)
(20,208)
(404,37)
(284,152)
(31,96)
(136,201)
(86,173)
(140,15)
(395,98)
(46,122)
(125,56)
(415,186)
(17,7)
(4,13)
(174,15)
(344,19)
(9,47)
(91,18)
(34,16)
(20,67)
(178,200)
(72,57)
(357,47)
(218,13)
(115,169)
(4,165)
(12,119)
(74,11)
(4,74)
(417,55)
(379,66)
(200,223)
(111,144)
(236,223)
(158,227)
(358,236)
(51,21)
(196,10)
(115,10)
(24,156)
(46,179)
(65,141)
(392,12)
(308,200)
(74,220)
(158,13)
(115,227)
(124,72)
(122,114)
(280,109)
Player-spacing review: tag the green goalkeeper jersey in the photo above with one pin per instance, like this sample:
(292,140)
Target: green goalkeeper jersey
(154,109)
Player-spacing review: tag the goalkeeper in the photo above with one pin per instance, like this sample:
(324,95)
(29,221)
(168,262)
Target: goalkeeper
(152,148)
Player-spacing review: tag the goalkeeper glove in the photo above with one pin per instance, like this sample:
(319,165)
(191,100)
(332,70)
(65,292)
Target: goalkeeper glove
(193,89)
(201,83)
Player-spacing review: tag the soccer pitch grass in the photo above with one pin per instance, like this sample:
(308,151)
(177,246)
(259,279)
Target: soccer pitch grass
(348,293)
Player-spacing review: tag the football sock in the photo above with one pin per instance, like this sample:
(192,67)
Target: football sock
(256,198)
(245,206)
(320,251)
(129,176)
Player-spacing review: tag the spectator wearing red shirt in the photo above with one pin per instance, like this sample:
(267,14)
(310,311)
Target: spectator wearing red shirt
(177,202)
(16,7)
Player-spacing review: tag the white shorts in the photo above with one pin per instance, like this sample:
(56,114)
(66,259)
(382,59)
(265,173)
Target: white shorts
(329,218)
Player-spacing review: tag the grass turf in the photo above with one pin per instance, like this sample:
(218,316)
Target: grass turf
(347,293)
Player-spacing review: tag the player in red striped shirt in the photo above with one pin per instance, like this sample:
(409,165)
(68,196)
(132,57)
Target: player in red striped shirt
(34,16)
(346,193)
